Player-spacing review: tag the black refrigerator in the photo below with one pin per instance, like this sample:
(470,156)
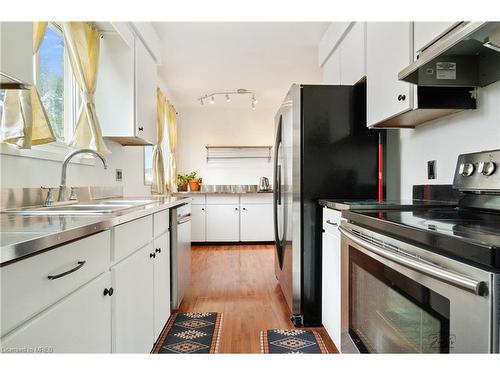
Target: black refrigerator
(323,149)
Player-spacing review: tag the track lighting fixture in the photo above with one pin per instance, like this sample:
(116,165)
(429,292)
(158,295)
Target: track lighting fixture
(227,94)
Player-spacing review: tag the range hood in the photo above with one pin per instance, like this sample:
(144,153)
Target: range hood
(468,55)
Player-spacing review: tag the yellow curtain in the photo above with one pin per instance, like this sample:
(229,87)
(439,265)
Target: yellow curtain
(82,45)
(24,120)
(158,185)
(172,140)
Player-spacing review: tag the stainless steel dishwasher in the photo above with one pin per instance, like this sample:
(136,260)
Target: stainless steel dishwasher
(180,230)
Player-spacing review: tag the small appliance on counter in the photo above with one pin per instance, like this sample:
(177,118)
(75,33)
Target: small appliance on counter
(426,279)
(264,185)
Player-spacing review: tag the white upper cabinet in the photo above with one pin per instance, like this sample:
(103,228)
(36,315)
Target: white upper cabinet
(145,84)
(126,90)
(425,33)
(353,55)
(16,52)
(331,69)
(389,48)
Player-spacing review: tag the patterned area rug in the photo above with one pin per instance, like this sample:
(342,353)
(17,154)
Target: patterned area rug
(281,341)
(190,333)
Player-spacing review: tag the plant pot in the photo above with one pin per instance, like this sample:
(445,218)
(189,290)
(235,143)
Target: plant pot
(183,186)
(194,185)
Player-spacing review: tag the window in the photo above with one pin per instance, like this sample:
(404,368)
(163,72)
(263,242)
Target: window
(49,78)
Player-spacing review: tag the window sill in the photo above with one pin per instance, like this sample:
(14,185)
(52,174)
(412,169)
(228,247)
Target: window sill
(52,152)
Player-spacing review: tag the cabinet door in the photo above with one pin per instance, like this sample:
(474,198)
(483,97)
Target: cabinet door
(223,222)
(352,55)
(133,302)
(161,283)
(426,33)
(331,285)
(388,50)
(198,223)
(145,96)
(331,69)
(79,323)
(257,222)
(115,87)
(16,51)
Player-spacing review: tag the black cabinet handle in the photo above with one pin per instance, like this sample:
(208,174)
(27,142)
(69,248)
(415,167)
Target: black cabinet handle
(401,97)
(236,208)
(141,128)
(80,265)
(108,292)
(203,208)
(152,255)
(158,250)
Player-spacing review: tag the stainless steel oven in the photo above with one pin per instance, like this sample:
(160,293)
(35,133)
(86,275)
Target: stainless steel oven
(400,298)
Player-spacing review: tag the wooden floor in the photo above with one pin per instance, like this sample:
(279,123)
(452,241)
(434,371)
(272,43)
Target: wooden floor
(239,281)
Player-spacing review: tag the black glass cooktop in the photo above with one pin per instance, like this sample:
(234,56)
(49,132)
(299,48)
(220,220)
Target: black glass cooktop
(467,234)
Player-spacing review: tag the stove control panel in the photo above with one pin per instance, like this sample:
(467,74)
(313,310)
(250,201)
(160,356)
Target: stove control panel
(478,172)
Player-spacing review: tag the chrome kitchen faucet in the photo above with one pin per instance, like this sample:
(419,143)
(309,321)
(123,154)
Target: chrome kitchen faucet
(62,187)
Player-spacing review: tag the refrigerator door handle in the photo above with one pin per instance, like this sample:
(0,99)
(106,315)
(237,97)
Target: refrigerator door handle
(277,194)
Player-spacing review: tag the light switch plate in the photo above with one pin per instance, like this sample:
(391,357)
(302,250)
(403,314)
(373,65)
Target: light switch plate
(431,170)
(118,175)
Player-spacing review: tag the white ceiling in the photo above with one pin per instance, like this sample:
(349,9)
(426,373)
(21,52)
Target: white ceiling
(266,57)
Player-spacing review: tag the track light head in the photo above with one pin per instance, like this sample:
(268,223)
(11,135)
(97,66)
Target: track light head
(228,98)
(212,100)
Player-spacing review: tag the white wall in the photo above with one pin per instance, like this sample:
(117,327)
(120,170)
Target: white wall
(28,172)
(444,139)
(199,126)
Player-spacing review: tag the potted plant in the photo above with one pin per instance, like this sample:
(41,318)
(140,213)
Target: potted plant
(194,181)
(182,182)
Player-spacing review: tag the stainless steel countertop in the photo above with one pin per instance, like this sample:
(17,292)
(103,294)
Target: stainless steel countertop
(226,189)
(26,235)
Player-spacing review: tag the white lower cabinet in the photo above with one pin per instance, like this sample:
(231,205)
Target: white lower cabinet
(79,323)
(161,274)
(256,222)
(331,276)
(223,222)
(133,300)
(198,223)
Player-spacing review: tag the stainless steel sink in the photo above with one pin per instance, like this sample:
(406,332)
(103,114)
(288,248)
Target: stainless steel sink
(89,208)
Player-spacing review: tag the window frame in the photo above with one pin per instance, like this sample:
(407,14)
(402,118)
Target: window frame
(57,150)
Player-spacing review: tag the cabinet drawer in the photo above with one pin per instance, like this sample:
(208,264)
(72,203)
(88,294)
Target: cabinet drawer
(26,288)
(223,199)
(161,222)
(132,236)
(260,198)
(198,198)
(331,220)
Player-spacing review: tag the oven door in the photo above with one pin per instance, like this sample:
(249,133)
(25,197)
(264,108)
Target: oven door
(397,298)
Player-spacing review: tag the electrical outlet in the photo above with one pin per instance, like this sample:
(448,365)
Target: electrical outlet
(118,174)
(431,170)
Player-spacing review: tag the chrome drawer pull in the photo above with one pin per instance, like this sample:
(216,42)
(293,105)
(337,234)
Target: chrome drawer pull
(332,223)
(80,265)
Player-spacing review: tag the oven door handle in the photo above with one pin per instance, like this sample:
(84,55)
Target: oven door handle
(477,287)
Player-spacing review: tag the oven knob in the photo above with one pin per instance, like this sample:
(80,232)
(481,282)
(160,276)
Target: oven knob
(466,169)
(487,168)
